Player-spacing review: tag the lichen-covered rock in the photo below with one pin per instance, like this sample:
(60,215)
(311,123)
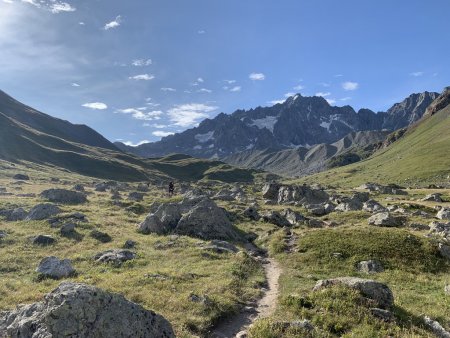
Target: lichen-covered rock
(55,268)
(64,196)
(115,256)
(370,266)
(371,289)
(42,211)
(385,219)
(80,310)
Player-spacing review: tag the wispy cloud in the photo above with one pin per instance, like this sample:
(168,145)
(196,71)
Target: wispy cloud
(256,76)
(159,126)
(53,6)
(323,94)
(144,77)
(235,89)
(59,7)
(416,74)
(299,87)
(350,85)
(160,133)
(168,89)
(338,75)
(204,90)
(142,62)
(274,102)
(331,101)
(113,24)
(289,94)
(229,81)
(141,115)
(187,115)
(325,84)
(74,84)
(95,105)
(346,98)
(201,31)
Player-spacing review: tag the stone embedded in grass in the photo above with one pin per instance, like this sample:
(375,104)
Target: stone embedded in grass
(436,328)
(53,267)
(115,256)
(419,226)
(371,289)
(436,197)
(219,247)
(252,213)
(373,206)
(21,177)
(444,214)
(275,218)
(370,266)
(136,196)
(78,187)
(142,187)
(100,236)
(129,244)
(14,215)
(205,300)
(444,250)
(43,240)
(64,196)
(67,229)
(42,211)
(385,219)
(80,310)
(2,234)
(384,315)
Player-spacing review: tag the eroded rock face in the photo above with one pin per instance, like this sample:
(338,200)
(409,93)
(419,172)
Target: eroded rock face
(64,196)
(371,289)
(80,310)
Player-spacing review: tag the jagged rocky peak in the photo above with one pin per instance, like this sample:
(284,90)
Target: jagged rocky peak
(439,103)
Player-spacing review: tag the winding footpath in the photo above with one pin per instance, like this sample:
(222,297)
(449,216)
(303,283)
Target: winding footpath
(238,324)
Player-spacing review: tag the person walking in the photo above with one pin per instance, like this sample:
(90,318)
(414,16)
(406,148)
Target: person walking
(171,189)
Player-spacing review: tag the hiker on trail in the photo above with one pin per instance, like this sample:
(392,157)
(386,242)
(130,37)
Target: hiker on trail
(171,189)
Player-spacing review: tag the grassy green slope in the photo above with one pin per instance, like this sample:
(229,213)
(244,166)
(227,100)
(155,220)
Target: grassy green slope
(421,157)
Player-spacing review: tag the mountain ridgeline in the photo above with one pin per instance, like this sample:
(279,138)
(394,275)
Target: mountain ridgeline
(298,122)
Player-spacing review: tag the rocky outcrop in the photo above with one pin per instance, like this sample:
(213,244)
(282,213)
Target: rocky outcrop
(371,289)
(64,196)
(275,218)
(439,103)
(80,310)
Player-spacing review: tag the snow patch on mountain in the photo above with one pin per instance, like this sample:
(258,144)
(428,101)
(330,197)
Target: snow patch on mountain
(267,122)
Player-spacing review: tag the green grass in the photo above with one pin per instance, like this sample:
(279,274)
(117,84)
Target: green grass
(419,158)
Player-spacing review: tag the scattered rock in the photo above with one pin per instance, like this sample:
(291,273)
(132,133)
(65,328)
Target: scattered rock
(371,266)
(100,236)
(444,213)
(371,289)
(289,194)
(252,212)
(373,206)
(136,196)
(67,229)
(315,223)
(200,299)
(53,267)
(436,197)
(100,187)
(2,234)
(42,211)
(419,226)
(115,256)
(21,177)
(447,289)
(129,244)
(293,217)
(43,240)
(78,187)
(14,215)
(220,247)
(274,217)
(385,219)
(64,196)
(384,315)
(142,187)
(79,310)
(436,328)
(444,250)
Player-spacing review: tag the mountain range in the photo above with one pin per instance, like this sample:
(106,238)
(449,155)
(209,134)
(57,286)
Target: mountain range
(298,122)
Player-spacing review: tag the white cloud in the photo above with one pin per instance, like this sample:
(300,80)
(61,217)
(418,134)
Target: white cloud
(187,115)
(95,105)
(168,89)
(346,98)
(81,23)
(131,144)
(257,76)
(142,62)
(161,133)
(229,81)
(350,85)
(331,101)
(145,77)
(204,90)
(338,75)
(140,115)
(113,24)
(416,74)
(8,1)
(289,94)
(322,94)
(159,126)
(59,7)
(200,80)
(236,89)
(274,102)
(201,31)
(325,84)
(74,84)
(299,87)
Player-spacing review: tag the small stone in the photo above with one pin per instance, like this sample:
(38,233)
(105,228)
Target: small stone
(100,236)
(43,240)
(371,266)
(129,244)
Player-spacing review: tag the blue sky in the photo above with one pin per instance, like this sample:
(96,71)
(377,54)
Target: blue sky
(136,70)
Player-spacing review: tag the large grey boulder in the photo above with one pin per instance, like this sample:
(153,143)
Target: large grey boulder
(83,311)
(136,196)
(206,221)
(64,196)
(444,213)
(115,256)
(292,216)
(55,268)
(270,191)
(385,219)
(42,211)
(275,218)
(373,206)
(371,289)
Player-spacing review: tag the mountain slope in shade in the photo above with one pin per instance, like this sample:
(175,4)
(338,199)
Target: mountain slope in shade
(299,121)
(302,161)
(420,157)
(50,125)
